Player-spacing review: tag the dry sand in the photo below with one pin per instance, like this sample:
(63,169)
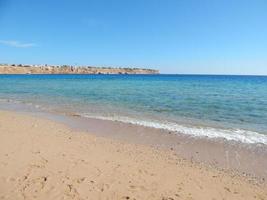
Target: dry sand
(42,159)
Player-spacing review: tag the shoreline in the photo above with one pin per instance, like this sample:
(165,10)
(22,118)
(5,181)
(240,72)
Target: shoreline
(45,159)
(235,157)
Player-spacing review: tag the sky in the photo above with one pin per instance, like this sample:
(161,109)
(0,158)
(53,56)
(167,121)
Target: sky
(174,36)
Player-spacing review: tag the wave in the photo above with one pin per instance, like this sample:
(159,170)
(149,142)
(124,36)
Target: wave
(238,135)
(21,102)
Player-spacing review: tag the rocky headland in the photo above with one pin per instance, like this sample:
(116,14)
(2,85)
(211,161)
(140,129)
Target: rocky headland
(67,69)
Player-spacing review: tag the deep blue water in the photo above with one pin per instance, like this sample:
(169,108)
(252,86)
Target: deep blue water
(213,106)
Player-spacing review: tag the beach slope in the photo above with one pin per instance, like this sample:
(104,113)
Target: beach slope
(42,159)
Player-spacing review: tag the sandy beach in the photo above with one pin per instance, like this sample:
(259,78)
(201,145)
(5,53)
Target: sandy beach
(42,159)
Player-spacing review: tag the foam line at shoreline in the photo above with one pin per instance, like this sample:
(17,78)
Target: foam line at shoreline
(238,135)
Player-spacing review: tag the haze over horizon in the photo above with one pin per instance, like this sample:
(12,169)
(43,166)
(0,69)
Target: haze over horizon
(181,37)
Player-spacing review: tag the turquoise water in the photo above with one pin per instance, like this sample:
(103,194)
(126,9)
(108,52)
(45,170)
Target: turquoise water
(230,107)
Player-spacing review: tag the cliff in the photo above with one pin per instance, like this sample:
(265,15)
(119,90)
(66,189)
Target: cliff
(29,69)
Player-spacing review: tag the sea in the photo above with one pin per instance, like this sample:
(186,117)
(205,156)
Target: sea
(211,106)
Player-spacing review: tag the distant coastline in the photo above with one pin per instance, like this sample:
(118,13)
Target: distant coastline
(69,69)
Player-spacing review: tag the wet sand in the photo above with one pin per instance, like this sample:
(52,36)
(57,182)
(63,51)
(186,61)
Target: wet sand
(246,159)
(45,159)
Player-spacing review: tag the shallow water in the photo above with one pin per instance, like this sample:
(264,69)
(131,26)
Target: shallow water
(230,107)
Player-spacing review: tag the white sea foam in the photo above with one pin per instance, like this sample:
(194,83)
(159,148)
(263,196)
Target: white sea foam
(239,135)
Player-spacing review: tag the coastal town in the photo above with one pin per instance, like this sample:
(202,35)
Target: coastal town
(69,69)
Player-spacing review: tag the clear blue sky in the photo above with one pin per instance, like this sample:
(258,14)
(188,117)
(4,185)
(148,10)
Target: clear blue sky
(174,36)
